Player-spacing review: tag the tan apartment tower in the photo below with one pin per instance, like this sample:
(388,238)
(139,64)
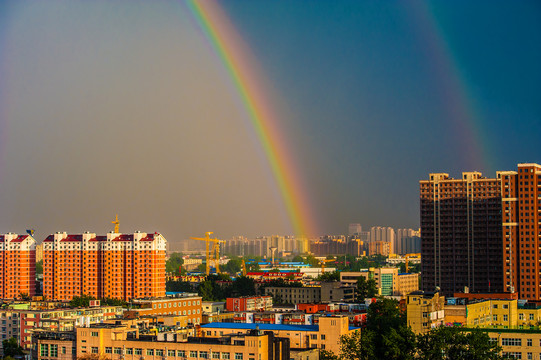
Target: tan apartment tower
(120,266)
(483,233)
(17,266)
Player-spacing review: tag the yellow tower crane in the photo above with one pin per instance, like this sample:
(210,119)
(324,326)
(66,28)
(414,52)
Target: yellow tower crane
(322,262)
(212,255)
(243,268)
(407,257)
(116,223)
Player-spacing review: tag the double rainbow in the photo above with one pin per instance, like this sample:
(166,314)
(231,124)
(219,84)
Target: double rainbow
(246,78)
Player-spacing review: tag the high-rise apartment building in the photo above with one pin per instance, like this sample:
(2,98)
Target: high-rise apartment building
(383,234)
(354,229)
(121,266)
(461,227)
(407,241)
(482,233)
(17,266)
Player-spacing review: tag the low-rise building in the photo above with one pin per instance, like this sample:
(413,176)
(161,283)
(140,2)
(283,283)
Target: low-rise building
(186,304)
(249,303)
(124,341)
(325,335)
(425,310)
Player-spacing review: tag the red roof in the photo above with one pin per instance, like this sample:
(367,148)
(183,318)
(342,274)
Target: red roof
(19,238)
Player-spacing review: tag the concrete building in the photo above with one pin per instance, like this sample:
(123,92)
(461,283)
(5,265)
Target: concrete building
(482,233)
(124,341)
(461,232)
(17,266)
(120,266)
(325,336)
(425,310)
(407,241)
(383,234)
(186,304)
(325,293)
(388,280)
(21,322)
(354,229)
(249,303)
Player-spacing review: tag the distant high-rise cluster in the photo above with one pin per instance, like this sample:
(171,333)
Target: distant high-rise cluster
(243,246)
(482,234)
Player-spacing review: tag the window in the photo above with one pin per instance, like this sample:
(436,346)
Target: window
(511,342)
(225,355)
(171,353)
(150,351)
(529,342)
(54,350)
(193,354)
(44,349)
(521,316)
(94,350)
(238,356)
(181,353)
(118,350)
(203,355)
(108,350)
(504,317)
(215,355)
(138,351)
(159,352)
(506,306)
(494,317)
(94,333)
(129,351)
(531,317)
(313,336)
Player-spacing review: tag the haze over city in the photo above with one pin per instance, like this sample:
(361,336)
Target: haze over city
(127,108)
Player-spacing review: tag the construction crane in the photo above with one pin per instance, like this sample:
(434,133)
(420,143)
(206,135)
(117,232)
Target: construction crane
(407,257)
(243,268)
(116,223)
(212,255)
(322,262)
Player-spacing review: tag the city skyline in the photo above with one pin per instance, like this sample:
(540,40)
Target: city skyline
(129,109)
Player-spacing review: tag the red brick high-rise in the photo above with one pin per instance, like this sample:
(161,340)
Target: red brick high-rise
(482,233)
(17,266)
(121,266)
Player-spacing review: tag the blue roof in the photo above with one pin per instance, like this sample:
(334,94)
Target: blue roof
(272,327)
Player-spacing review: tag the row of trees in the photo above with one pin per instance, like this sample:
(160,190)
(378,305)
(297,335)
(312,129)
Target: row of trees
(84,301)
(387,336)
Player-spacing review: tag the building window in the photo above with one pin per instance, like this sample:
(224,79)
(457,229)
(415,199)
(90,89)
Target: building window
(138,351)
(529,342)
(94,350)
(203,355)
(94,333)
(531,316)
(44,350)
(108,350)
(193,354)
(118,350)
(159,352)
(54,350)
(129,351)
(215,355)
(238,356)
(225,355)
(181,353)
(150,351)
(504,317)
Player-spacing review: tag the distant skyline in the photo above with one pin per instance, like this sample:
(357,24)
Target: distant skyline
(125,108)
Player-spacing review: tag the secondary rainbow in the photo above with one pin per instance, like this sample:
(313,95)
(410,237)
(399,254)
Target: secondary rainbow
(245,75)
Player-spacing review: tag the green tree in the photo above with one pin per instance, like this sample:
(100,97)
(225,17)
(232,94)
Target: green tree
(179,286)
(297,258)
(452,343)
(233,266)
(39,267)
(386,335)
(202,268)
(362,288)
(81,301)
(371,288)
(12,348)
(242,286)
(174,263)
(329,276)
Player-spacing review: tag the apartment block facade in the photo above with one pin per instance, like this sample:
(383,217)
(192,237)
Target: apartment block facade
(17,266)
(483,234)
(461,234)
(121,266)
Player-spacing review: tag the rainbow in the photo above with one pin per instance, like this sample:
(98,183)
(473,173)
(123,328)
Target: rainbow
(248,82)
(455,91)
